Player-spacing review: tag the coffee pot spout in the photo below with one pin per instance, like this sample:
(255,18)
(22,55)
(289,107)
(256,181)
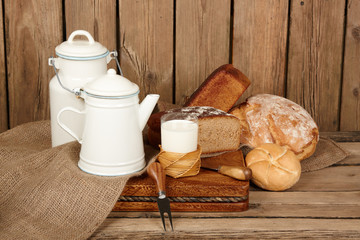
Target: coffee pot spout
(146,108)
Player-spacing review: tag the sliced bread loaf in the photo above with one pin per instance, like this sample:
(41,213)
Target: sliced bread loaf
(218,130)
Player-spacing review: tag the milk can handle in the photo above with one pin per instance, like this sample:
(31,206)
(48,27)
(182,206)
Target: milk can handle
(114,55)
(63,126)
(77,91)
(82,33)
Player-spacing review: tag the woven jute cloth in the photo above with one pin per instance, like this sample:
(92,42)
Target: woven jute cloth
(43,193)
(326,154)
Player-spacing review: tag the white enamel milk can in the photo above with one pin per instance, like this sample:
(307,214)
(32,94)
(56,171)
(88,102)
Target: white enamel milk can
(78,62)
(111,140)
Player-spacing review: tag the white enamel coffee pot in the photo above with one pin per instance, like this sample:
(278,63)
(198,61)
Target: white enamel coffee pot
(77,63)
(112,142)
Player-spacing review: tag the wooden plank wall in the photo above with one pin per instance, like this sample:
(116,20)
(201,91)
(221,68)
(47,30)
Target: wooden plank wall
(146,45)
(202,42)
(305,50)
(3,92)
(315,58)
(259,45)
(350,100)
(98,17)
(30,37)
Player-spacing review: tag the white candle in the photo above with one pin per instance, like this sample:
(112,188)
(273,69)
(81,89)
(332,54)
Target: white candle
(179,136)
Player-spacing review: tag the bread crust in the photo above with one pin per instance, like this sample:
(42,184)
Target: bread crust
(268,118)
(154,121)
(154,137)
(273,167)
(221,89)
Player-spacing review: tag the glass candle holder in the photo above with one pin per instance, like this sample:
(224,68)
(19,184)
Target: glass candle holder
(179,132)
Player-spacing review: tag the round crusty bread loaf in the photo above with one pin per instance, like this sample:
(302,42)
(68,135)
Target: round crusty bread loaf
(268,118)
(273,167)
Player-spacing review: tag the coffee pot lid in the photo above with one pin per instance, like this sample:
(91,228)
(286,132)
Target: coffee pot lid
(81,49)
(111,85)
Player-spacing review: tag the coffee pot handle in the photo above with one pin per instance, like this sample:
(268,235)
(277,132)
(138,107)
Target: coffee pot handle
(63,126)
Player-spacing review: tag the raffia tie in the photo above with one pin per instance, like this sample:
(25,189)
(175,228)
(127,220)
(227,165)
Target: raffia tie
(180,164)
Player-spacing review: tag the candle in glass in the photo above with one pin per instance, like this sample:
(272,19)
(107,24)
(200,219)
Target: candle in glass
(179,132)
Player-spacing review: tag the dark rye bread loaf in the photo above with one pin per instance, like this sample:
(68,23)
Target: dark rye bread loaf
(218,130)
(221,89)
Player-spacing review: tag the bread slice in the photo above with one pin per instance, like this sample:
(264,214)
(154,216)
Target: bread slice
(218,130)
(221,89)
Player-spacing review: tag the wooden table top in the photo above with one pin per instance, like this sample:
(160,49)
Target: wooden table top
(323,204)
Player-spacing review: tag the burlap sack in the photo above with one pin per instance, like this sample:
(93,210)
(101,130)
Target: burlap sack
(43,194)
(326,154)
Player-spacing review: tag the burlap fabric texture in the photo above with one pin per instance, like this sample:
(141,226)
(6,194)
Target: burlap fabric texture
(43,193)
(326,154)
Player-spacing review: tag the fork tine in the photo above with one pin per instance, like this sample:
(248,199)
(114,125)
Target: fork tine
(157,173)
(170,218)
(163,219)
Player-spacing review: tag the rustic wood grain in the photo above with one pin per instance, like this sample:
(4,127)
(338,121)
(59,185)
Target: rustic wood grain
(183,207)
(315,58)
(205,184)
(281,204)
(350,101)
(182,190)
(353,136)
(31,37)
(98,17)
(325,204)
(259,44)
(346,178)
(304,204)
(354,149)
(306,198)
(200,228)
(202,42)
(3,90)
(351,147)
(255,210)
(351,160)
(146,45)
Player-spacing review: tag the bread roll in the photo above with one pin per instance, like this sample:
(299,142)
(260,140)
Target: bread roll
(274,168)
(218,130)
(268,118)
(221,89)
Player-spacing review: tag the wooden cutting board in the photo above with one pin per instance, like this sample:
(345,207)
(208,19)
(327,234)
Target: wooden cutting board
(207,191)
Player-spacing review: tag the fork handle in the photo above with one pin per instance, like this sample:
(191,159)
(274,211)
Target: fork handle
(240,173)
(157,173)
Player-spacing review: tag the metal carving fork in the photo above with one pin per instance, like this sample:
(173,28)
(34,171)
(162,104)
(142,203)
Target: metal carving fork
(157,173)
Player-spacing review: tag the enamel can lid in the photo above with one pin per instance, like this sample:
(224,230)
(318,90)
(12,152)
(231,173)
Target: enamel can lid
(81,49)
(111,85)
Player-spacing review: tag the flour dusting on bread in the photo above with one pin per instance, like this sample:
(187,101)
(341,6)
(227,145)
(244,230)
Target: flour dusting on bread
(274,119)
